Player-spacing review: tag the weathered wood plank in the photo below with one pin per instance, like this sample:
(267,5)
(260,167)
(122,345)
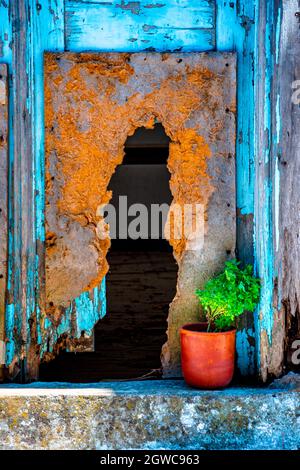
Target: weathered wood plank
(29,333)
(3,201)
(5,34)
(260,198)
(286,175)
(280,324)
(235,31)
(20,289)
(6,56)
(88,308)
(270,320)
(144,25)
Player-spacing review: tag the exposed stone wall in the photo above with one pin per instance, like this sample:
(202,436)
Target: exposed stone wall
(148,415)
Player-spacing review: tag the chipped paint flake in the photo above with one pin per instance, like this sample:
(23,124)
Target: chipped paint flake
(133,7)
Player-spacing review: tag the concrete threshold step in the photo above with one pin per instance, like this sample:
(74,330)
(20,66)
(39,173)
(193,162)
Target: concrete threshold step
(154,414)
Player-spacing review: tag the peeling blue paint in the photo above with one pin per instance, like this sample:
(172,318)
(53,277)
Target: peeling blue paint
(267,192)
(235,31)
(80,317)
(5,35)
(278,31)
(10,321)
(45,32)
(187,25)
(237,35)
(245,340)
(265,253)
(12,275)
(276,203)
(90,310)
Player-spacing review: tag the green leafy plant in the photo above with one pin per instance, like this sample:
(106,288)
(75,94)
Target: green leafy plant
(228,295)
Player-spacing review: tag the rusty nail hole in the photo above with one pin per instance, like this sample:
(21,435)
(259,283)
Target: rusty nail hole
(1,276)
(1,138)
(52,178)
(51,304)
(179,61)
(228,204)
(145,58)
(230,155)
(226,65)
(227,110)
(0,209)
(228,252)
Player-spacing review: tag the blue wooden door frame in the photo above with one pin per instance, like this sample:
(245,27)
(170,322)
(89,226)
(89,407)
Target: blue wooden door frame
(251,28)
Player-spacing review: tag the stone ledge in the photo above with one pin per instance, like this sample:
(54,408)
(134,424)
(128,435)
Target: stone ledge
(147,415)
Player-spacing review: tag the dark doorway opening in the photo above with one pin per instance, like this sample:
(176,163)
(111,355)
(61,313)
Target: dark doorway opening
(141,282)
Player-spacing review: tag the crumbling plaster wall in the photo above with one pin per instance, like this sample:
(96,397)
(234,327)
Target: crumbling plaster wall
(93,102)
(3,201)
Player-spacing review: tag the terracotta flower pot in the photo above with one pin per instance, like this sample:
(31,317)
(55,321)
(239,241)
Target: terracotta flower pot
(207,358)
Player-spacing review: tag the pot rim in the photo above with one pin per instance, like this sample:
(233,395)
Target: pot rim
(183,330)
